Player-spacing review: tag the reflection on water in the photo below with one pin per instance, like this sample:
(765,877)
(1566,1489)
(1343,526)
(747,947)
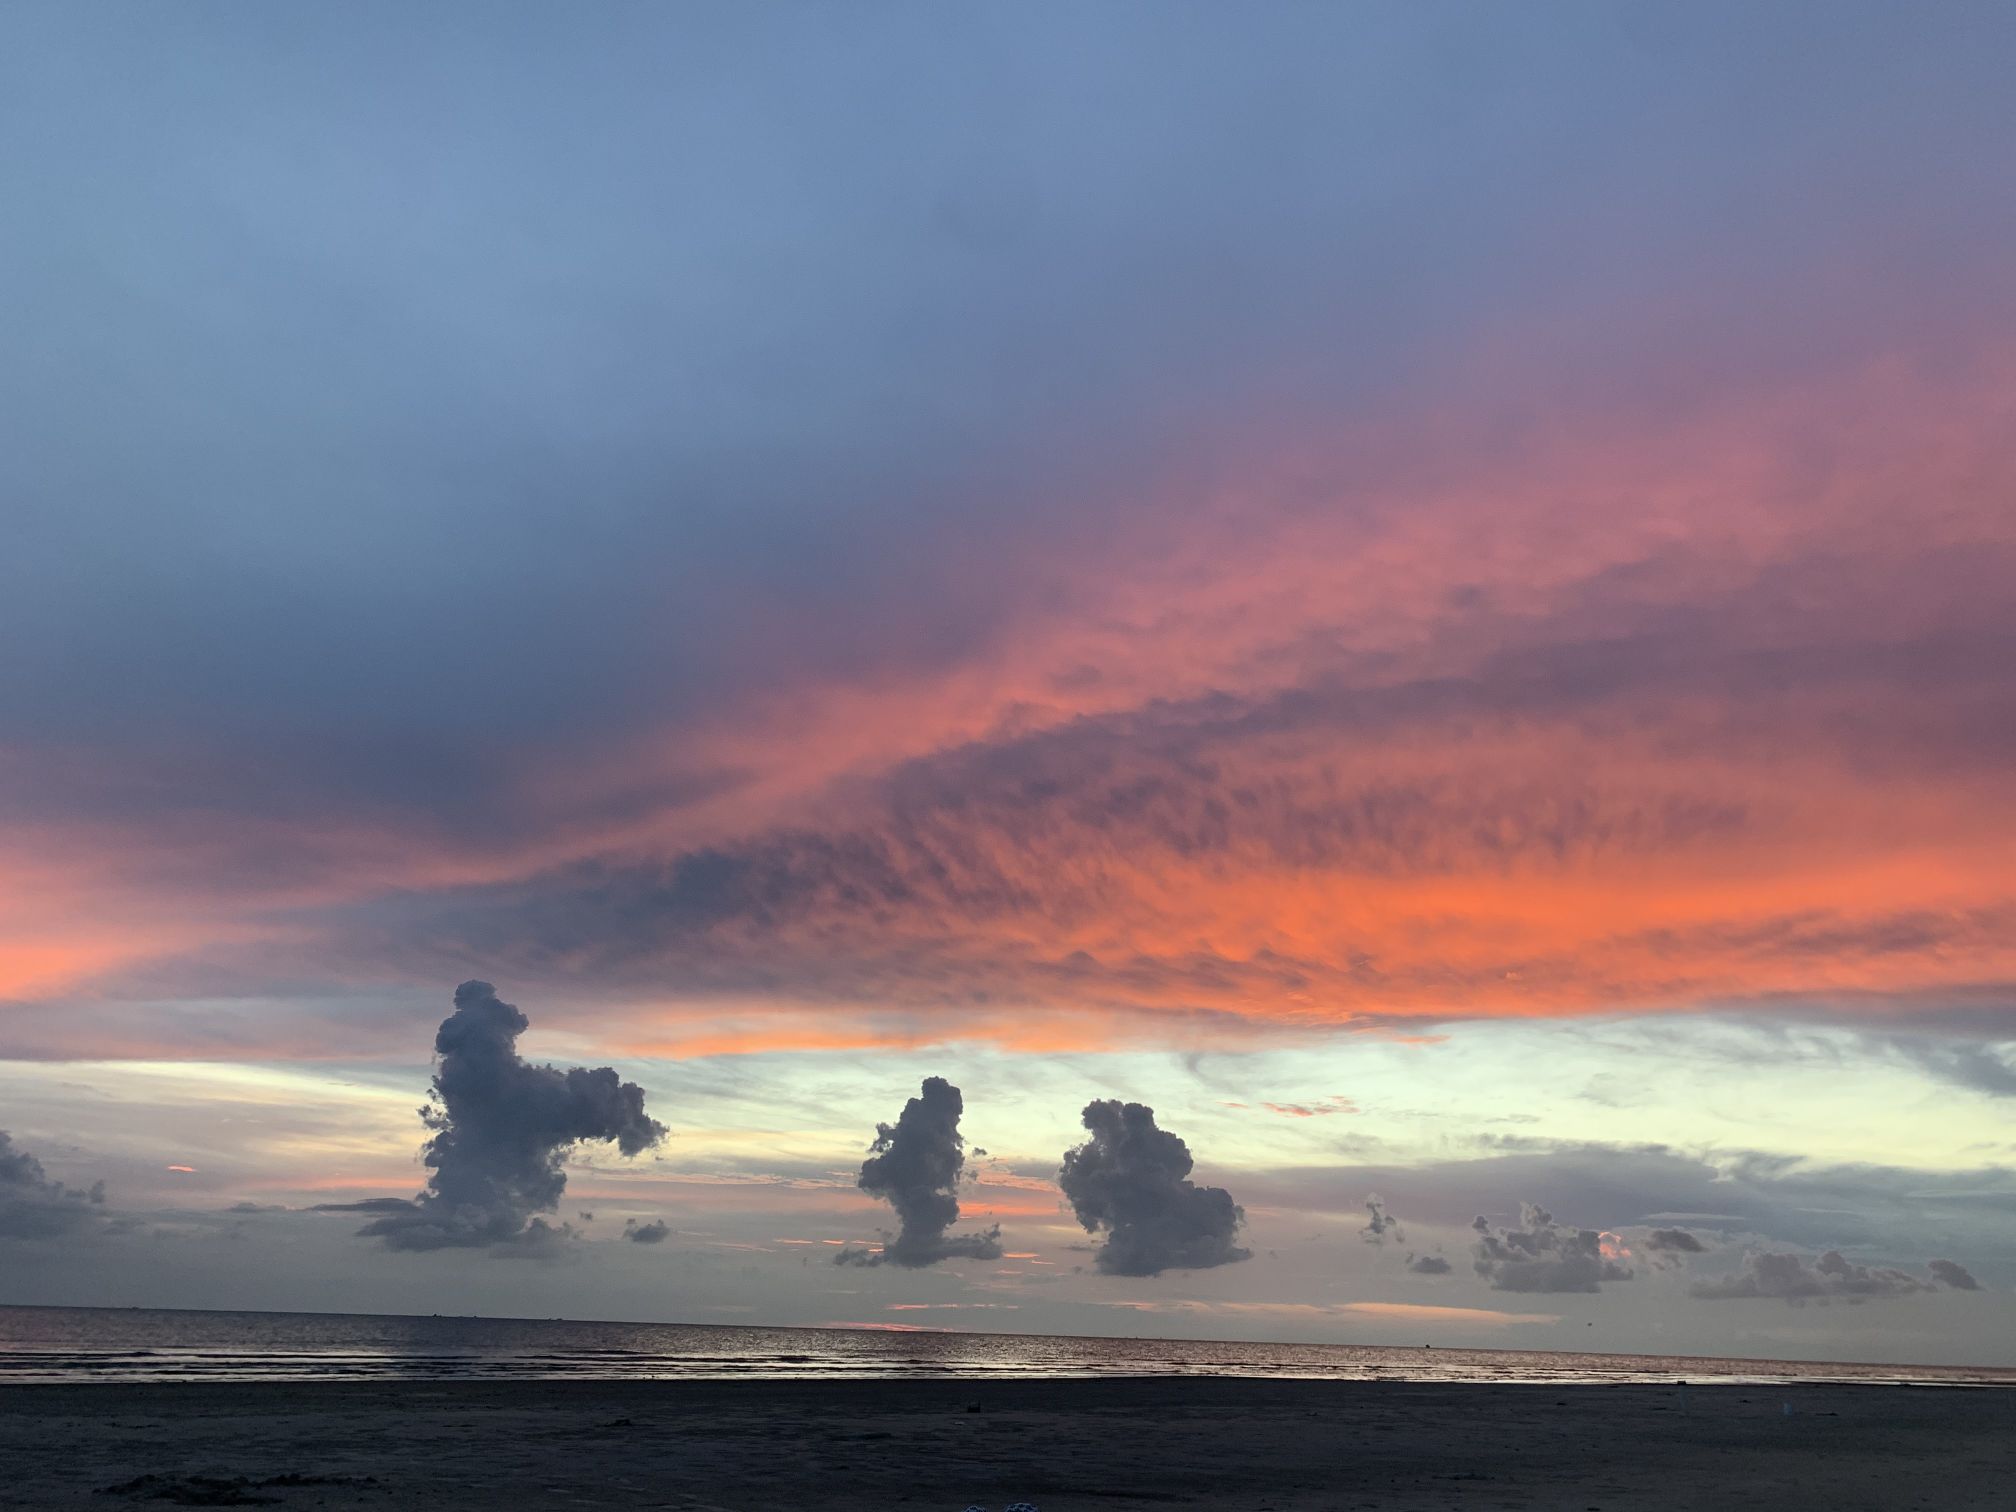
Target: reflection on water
(133,1344)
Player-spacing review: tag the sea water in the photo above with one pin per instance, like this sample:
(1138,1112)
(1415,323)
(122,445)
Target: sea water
(65,1344)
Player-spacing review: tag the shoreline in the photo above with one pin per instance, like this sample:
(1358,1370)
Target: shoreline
(955,1379)
(1291,1445)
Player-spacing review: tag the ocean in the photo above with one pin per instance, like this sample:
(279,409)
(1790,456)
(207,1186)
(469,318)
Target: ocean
(70,1344)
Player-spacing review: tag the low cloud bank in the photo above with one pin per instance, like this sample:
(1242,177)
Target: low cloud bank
(1792,1278)
(1540,1255)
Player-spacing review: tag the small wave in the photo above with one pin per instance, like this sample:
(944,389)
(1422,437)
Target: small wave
(56,1344)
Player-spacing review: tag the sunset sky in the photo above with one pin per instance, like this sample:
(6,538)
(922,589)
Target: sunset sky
(1425,589)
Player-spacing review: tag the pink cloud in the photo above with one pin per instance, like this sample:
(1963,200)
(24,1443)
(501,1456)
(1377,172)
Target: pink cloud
(1588,709)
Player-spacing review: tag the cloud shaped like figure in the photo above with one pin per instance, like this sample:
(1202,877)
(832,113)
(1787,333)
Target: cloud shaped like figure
(502,1127)
(34,1207)
(1789,1278)
(1131,1179)
(1380,1223)
(1542,1256)
(1428,1265)
(654,1232)
(915,1164)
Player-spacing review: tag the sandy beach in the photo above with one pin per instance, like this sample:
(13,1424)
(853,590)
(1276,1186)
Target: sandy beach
(1061,1445)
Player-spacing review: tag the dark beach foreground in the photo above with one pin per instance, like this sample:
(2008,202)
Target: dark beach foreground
(1063,1445)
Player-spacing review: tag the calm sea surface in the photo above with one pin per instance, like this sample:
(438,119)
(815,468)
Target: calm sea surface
(136,1344)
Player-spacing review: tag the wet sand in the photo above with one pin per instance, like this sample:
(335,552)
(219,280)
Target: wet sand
(1282,1445)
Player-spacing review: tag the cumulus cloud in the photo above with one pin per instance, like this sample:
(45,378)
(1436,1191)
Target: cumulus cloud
(502,1128)
(654,1232)
(1542,1256)
(1428,1265)
(32,1206)
(1791,1278)
(1131,1179)
(915,1164)
(1381,1223)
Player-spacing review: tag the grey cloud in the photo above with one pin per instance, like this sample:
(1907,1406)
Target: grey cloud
(1786,1202)
(502,1128)
(1962,1035)
(1380,1223)
(915,1164)
(1978,1067)
(32,1206)
(1542,1256)
(1675,1241)
(1131,1179)
(1791,1278)
(539,1240)
(1670,1247)
(1428,1265)
(1953,1274)
(656,1231)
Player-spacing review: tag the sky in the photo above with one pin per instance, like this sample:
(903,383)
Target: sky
(1419,589)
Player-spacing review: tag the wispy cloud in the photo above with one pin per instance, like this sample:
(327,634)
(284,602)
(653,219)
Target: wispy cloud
(1419,1312)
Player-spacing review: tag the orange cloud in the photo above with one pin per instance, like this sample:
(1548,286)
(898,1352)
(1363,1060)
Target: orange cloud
(1320,1109)
(1582,711)
(997,1207)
